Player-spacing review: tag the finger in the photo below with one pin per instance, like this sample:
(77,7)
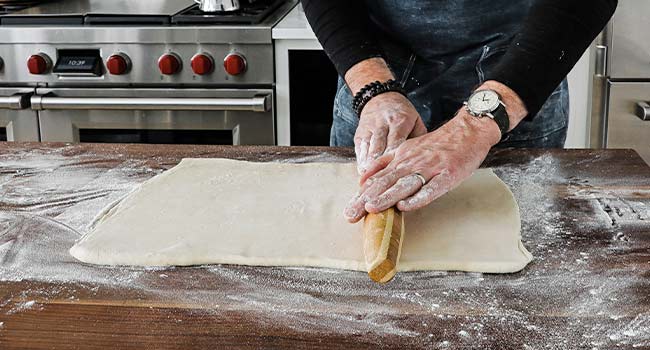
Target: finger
(372,188)
(376,166)
(403,188)
(379,184)
(361,150)
(354,211)
(440,184)
(377,144)
(382,181)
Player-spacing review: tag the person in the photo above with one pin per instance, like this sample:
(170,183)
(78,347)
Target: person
(428,87)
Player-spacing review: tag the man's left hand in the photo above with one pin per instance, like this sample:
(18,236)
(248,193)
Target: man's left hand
(444,158)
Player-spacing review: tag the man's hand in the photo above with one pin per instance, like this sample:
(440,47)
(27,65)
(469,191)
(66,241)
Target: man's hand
(386,121)
(444,157)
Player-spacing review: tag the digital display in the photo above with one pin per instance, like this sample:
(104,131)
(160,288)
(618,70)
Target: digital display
(78,62)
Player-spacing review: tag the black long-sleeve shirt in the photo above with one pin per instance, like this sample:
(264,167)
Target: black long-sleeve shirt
(551,40)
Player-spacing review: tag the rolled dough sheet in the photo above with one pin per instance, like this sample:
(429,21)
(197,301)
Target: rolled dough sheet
(219,211)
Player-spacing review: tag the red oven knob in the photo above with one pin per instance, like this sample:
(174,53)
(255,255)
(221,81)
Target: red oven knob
(118,64)
(169,64)
(234,64)
(202,64)
(39,63)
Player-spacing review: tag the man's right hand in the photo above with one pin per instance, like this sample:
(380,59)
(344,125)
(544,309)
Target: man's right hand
(386,121)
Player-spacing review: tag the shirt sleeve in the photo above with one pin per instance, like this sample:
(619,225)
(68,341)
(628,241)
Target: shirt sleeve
(550,42)
(344,29)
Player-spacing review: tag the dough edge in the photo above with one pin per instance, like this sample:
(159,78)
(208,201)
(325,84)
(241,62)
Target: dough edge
(79,251)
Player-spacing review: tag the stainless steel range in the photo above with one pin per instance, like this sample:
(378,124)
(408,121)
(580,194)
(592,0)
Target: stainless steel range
(621,90)
(158,71)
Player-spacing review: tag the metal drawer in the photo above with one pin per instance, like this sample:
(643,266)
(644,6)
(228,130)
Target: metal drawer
(627,40)
(626,126)
(17,121)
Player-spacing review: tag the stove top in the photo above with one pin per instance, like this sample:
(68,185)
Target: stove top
(7,6)
(132,12)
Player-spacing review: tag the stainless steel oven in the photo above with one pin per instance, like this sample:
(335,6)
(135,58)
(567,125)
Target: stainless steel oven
(139,71)
(223,116)
(17,121)
(621,82)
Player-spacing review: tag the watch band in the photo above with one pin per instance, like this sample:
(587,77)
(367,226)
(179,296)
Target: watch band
(500,116)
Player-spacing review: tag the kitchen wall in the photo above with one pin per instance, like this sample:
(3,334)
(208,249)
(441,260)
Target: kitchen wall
(579,93)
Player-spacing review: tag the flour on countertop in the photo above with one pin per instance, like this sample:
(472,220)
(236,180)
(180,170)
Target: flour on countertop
(49,199)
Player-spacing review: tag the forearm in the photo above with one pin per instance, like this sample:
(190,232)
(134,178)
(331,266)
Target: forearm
(344,30)
(550,42)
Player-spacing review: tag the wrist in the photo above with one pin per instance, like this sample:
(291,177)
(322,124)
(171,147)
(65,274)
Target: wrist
(367,71)
(515,107)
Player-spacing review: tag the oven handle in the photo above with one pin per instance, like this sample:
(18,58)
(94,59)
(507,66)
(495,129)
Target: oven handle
(259,103)
(17,101)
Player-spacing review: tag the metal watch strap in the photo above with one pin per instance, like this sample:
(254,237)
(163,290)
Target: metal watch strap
(501,118)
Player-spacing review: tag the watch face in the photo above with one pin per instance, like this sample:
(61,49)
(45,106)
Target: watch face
(483,101)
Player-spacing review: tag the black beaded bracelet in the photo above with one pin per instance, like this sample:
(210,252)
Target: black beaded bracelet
(373,89)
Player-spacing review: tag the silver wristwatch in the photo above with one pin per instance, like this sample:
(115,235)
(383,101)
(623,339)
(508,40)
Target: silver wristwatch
(487,103)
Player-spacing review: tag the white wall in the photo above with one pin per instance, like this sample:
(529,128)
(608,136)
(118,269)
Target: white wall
(579,96)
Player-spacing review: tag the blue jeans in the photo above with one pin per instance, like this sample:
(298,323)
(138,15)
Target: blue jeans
(441,62)
(547,130)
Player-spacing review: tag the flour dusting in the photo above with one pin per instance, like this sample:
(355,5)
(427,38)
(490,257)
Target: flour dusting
(576,293)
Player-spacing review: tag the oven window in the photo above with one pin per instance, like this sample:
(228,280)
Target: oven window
(312,87)
(3,134)
(189,137)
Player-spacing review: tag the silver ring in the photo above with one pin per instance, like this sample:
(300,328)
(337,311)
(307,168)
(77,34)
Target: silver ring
(419,176)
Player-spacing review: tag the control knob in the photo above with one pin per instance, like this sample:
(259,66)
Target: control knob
(234,64)
(118,64)
(39,63)
(202,64)
(169,64)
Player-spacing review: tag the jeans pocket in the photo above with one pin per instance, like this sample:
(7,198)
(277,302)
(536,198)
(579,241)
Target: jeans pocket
(343,103)
(489,58)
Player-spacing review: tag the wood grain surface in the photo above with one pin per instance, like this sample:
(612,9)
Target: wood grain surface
(585,217)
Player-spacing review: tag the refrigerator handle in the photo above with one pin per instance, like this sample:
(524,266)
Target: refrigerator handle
(601,60)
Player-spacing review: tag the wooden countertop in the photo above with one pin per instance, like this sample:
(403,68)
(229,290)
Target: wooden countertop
(585,217)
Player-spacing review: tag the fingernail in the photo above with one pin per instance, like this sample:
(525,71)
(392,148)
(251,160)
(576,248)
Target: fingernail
(350,212)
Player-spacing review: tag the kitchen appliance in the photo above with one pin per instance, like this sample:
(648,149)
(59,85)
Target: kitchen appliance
(218,5)
(621,83)
(156,71)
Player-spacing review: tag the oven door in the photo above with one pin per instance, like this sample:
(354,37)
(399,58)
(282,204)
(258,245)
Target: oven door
(628,117)
(17,121)
(179,116)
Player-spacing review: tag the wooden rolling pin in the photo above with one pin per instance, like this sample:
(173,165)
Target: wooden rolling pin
(383,234)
